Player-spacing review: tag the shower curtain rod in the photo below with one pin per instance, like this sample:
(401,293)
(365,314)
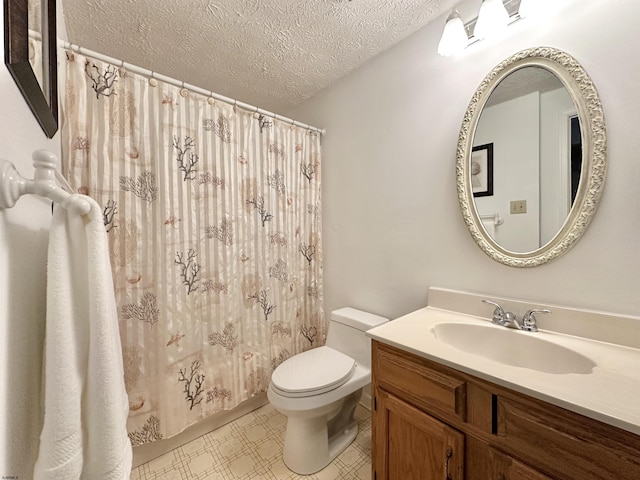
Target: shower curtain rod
(178,83)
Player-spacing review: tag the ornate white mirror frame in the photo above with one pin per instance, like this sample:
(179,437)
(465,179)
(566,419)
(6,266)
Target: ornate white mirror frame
(594,148)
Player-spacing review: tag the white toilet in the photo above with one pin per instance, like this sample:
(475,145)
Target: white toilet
(318,390)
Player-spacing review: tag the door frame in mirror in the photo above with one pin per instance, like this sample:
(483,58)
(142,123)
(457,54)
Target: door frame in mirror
(43,104)
(594,153)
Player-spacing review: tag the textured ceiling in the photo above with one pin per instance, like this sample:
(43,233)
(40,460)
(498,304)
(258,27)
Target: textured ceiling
(522,82)
(274,54)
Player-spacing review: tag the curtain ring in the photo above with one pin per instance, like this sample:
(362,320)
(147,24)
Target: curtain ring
(235,106)
(152,81)
(211,100)
(183,91)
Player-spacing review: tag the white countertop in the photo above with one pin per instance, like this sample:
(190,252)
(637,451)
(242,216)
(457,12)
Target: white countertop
(610,393)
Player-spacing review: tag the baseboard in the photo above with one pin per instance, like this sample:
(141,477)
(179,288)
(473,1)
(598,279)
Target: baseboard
(149,451)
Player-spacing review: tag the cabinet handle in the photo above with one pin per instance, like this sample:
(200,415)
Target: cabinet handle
(448,456)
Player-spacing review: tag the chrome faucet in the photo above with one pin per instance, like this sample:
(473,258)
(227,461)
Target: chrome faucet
(529,320)
(502,318)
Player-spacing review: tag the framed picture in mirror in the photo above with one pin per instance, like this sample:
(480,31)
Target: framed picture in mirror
(30,56)
(482,170)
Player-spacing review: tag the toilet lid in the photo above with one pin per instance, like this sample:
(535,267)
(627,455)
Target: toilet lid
(313,372)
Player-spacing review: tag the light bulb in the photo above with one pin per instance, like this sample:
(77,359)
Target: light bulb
(454,37)
(534,8)
(493,19)
(525,8)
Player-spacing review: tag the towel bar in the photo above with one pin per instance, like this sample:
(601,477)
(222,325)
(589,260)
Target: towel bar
(44,183)
(495,217)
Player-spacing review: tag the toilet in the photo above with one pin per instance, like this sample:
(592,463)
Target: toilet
(318,391)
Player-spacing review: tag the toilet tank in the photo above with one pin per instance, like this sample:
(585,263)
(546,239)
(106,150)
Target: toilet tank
(347,333)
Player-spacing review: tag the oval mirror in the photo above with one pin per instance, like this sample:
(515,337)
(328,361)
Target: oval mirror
(531,157)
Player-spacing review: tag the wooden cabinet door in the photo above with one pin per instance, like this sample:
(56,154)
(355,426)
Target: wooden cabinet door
(411,445)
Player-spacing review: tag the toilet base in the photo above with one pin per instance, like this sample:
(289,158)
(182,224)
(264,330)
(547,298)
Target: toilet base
(310,444)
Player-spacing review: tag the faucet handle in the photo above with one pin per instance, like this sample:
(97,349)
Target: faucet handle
(529,320)
(498,313)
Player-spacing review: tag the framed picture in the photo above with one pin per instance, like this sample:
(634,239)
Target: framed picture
(30,56)
(482,170)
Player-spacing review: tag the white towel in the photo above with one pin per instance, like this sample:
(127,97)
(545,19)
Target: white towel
(84,434)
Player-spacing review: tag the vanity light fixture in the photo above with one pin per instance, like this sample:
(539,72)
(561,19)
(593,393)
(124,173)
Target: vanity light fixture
(493,18)
(454,38)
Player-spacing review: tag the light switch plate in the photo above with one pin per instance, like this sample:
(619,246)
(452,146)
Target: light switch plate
(518,206)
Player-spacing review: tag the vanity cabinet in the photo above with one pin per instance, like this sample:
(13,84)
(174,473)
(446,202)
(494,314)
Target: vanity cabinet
(434,422)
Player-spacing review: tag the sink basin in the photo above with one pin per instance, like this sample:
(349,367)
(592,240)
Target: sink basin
(512,347)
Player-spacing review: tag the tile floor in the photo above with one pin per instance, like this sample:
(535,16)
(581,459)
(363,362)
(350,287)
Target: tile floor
(251,448)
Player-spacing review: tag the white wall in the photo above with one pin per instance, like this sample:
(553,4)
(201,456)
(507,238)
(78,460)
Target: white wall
(392,224)
(23,249)
(514,129)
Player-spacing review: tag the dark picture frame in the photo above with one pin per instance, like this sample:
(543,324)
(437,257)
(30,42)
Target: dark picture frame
(42,100)
(482,170)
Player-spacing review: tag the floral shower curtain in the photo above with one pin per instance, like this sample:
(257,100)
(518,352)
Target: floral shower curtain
(213,217)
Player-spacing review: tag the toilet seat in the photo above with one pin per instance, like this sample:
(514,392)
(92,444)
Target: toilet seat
(313,372)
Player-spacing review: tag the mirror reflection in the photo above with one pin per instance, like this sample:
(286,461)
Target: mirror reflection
(526,159)
(36,58)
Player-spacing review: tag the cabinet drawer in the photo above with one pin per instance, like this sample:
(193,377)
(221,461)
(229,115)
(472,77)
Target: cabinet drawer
(567,443)
(410,377)
(503,467)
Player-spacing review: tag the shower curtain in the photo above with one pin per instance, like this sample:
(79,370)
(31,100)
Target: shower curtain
(213,216)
